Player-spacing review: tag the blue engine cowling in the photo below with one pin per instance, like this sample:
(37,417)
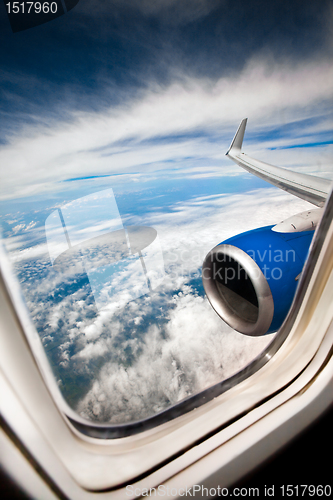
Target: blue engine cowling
(251,279)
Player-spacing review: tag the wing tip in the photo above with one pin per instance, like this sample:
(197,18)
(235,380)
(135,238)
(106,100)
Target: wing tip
(237,141)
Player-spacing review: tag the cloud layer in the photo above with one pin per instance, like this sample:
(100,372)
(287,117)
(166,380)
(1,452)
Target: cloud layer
(130,360)
(195,351)
(144,97)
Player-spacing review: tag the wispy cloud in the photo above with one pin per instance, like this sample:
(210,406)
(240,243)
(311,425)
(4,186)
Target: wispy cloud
(93,141)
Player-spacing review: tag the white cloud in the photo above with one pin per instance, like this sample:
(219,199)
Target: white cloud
(18,227)
(198,351)
(195,227)
(267,93)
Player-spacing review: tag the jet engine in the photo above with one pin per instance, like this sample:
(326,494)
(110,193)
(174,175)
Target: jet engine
(250,279)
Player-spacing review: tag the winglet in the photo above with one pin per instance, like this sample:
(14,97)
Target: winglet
(238,139)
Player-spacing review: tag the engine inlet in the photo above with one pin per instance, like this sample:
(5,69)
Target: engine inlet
(237,290)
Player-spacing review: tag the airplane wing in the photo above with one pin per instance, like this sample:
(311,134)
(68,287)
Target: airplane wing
(307,187)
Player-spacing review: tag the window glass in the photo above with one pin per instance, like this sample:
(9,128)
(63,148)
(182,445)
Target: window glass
(115,184)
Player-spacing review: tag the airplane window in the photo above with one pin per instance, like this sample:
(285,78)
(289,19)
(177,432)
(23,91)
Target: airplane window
(152,266)
(112,280)
(110,269)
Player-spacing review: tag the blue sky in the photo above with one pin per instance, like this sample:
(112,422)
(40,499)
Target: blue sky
(143,97)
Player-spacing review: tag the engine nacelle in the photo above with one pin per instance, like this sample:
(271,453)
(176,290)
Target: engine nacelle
(250,279)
